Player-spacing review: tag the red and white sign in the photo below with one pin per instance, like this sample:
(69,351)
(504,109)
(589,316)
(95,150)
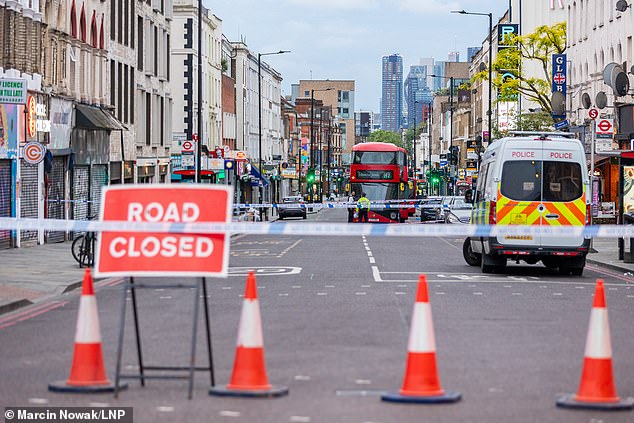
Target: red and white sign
(605,126)
(164,254)
(33,152)
(593,113)
(188,146)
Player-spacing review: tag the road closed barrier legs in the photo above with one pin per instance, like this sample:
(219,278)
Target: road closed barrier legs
(597,389)
(421,383)
(249,378)
(87,373)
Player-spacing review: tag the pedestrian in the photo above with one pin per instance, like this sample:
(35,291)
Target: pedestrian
(351,203)
(363,206)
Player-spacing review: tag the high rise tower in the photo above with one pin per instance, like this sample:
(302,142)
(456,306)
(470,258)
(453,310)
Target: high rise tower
(392,93)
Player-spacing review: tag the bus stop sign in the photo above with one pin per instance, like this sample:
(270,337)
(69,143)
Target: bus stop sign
(130,253)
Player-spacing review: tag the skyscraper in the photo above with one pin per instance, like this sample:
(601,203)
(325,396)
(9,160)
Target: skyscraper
(392,93)
(417,90)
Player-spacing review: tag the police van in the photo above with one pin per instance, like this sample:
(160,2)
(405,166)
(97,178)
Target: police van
(531,178)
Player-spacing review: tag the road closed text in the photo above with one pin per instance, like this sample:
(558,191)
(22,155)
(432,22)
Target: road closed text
(156,246)
(169,252)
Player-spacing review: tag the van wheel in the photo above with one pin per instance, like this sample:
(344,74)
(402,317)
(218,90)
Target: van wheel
(472,259)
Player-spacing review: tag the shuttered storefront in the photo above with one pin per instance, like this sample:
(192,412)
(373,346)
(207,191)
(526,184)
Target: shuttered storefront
(98,179)
(80,192)
(28,200)
(56,189)
(5,201)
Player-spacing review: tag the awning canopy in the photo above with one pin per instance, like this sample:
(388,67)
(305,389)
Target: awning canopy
(91,117)
(256,173)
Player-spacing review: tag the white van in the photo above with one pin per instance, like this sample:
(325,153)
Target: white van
(531,178)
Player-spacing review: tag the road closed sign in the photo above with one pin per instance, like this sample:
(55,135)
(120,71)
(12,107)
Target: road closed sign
(133,253)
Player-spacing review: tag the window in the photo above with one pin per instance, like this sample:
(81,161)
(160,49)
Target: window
(140,54)
(562,181)
(306,93)
(521,180)
(375,157)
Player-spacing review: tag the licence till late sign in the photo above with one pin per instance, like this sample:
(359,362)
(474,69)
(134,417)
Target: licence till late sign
(132,253)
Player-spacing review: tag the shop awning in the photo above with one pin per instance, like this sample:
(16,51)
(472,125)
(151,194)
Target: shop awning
(91,117)
(256,173)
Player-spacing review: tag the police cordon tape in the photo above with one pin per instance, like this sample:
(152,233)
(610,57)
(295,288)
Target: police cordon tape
(317,228)
(335,205)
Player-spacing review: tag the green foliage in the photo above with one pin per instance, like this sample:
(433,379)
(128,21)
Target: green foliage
(224,65)
(386,136)
(537,47)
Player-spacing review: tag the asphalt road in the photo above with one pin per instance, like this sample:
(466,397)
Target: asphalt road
(336,315)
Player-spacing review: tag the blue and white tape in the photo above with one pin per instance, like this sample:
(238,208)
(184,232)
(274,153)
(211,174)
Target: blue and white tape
(332,205)
(319,228)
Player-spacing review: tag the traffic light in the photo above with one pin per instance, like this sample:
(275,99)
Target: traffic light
(310,176)
(454,153)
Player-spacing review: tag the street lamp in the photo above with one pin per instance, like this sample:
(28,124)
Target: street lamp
(490,15)
(261,182)
(414,146)
(451,87)
(312,135)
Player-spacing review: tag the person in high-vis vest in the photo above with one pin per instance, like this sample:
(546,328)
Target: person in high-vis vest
(363,206)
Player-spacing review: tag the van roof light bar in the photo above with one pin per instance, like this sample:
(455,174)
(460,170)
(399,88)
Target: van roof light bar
(541,134)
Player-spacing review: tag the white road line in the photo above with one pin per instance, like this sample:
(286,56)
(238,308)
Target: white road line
(359,293)
(372,260)
(322,294)
(228,413)
(376,274)
(517,293)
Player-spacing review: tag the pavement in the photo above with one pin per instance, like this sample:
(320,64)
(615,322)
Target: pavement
(32,274)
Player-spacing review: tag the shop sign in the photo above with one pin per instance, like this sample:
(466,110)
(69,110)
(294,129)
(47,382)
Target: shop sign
(13,91)
(289,173)
(42,124)
(31,117)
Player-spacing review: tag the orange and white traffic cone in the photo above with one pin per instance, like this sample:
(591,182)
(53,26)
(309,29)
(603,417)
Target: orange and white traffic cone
(87,373)
(597,389)
(421,383)
(249,370)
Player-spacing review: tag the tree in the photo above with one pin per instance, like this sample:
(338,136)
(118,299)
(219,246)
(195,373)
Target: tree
(385,136)
(539,47)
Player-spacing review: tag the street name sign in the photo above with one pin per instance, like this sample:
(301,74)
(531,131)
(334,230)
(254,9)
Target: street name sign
(132,253)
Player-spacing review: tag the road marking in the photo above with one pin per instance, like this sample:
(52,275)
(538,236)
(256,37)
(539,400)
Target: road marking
(228,413)
(167,297)
(99,404)
(296,286)
(289,248)
(302,377)
(299,419)
(165,409)
(517,293)
(38,400)
(400,293)
(478,293)
(283,294)
(329,286)
(265,271)
(558,294)
(369,253)
(359,293)
(322,293)
(372,260)
(363,382)
(226,288)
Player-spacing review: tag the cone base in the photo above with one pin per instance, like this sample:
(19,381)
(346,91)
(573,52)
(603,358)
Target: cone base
(274,391)
(569,401)
(447,397)
(62,386)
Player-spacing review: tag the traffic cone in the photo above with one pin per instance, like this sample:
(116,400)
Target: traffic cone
(87,373)
(597,389)
(249,371)
(421,383)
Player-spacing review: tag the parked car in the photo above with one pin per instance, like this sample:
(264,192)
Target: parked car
(429,208)
(441,212)
(458,211)
(292,206)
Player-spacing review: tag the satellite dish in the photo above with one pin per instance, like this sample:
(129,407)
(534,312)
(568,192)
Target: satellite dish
(608,72)
(622,5)
(558,103)
(601,100)
(586,101)
(621,84)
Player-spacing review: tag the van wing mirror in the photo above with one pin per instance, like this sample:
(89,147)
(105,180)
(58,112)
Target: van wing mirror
(468,196)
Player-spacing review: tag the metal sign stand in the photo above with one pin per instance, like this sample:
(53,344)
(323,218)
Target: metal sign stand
(132,286)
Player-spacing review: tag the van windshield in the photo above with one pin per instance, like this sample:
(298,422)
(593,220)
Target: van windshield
(523,181)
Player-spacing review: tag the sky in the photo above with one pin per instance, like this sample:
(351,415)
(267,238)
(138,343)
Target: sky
(346,39)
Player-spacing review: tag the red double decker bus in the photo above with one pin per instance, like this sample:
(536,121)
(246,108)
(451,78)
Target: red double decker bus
(380,170)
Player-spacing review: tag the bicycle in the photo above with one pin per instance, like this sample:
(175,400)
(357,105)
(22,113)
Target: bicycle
(83,249)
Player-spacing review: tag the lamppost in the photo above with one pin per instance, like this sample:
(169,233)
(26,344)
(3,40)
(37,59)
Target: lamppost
(312,135)
(414,146)
(451,87)
(261,182)
(490,111)
(199,146)
(429,122)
